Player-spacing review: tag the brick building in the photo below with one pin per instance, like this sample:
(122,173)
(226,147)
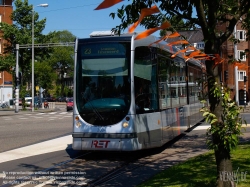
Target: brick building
(228,70)
(6,82)
(195,37)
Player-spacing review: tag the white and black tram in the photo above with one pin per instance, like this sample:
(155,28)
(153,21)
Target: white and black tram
(130,95)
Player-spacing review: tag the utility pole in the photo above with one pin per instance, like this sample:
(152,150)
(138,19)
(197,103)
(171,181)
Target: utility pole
(245,91)
(17,80)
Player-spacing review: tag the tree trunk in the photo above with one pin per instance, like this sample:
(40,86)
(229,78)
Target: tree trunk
(222,155)
(225,174)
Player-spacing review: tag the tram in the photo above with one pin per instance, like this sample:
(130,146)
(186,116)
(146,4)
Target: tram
(130,94)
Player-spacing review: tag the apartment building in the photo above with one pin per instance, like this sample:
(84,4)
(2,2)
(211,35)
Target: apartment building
(227,68)
(6,82)
(236,77)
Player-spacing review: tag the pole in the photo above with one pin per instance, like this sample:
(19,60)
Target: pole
(33,87)
(245,94)
(245,91)
(236,85)
(2,96)
(32,62)
(17,79)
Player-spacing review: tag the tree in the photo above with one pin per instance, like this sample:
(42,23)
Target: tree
(44,75)
(20,32)
(207,15)
(61,58)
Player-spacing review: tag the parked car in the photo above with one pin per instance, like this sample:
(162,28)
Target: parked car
(28,101)
(61,99)
(69,104)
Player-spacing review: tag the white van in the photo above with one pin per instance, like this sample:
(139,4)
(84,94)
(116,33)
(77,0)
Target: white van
(28,100)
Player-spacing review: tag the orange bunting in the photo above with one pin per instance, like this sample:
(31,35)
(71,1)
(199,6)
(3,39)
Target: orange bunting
(144,12)
(239,64)
(179,42)
(152,30)
(107,4)
(195,53)
(198,55)
(173,35)
(218,59)
(183,51)
(201,56)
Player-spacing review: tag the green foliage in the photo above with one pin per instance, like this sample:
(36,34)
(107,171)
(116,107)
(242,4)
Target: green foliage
(7,63)
(228,125)
(61,59)
(20,32)
(200,171)
(45,75)
(189,14)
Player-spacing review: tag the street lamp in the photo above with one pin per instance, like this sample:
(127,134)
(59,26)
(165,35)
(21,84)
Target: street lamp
(33,87)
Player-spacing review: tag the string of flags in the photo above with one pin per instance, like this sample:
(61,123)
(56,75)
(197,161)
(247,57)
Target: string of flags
(195,54)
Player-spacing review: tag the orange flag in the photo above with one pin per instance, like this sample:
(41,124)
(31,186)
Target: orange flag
(239,64)
(195,53)
(173,35)
(183,51)
(179,42)
(200,56)
(107,4)
(217,60)
(152,30)
(144,12)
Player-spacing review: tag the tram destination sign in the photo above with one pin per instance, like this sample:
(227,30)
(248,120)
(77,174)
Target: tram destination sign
(100,49)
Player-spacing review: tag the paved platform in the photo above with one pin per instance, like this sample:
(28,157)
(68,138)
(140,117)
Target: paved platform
(190,145)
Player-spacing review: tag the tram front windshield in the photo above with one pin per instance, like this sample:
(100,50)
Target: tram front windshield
(102,82)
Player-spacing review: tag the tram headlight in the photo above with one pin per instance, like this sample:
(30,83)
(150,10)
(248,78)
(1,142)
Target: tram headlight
(77,122)
(125,124)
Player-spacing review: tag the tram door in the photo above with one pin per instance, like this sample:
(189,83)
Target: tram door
(148,117)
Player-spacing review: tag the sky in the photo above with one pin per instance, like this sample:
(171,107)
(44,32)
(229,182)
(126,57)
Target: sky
(77,16)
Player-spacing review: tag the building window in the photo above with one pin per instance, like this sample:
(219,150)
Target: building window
(241,35)
(241,55)
(200,45)
(241,75)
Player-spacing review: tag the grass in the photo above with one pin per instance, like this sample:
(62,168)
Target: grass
(201,171)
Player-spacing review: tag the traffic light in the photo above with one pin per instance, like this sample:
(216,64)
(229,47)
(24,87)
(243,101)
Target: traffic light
(18,80)
(225,76)
(245,78)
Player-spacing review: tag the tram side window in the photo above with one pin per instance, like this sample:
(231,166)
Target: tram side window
(195,74)
(177,88)
(182,87)
(145,82)
(163,82)
(172,83)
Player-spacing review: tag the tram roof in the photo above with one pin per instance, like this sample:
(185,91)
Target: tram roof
(148,41)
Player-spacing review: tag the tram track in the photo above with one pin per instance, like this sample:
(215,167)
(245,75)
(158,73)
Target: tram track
(102,168)
(136,162)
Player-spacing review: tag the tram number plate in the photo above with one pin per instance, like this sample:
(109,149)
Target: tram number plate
(100,143)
